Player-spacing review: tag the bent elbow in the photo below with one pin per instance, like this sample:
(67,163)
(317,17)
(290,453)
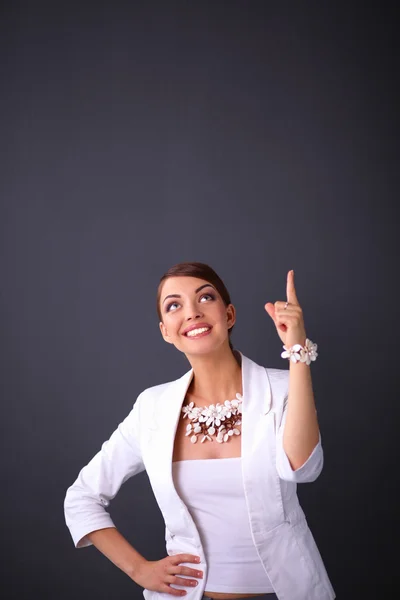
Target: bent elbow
(308,472)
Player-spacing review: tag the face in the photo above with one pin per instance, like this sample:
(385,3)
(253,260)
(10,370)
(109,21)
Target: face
(194,316)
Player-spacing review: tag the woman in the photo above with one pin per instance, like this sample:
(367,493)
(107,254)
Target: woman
(224,447)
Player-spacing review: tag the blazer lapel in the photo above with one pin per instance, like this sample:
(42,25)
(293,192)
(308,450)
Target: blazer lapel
(256,387)
(256,413)
(160,443)
(260,479)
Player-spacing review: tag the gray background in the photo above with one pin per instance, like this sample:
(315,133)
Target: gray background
(255,136)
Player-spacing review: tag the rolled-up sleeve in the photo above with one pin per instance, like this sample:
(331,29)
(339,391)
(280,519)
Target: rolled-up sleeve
(310,470)
(99,481)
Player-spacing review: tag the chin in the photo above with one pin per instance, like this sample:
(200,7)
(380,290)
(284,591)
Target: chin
(203,348)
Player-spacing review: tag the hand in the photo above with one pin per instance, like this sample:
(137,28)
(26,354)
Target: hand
(157,575)
(289,322)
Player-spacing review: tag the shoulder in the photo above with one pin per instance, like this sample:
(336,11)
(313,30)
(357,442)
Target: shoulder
(151,394)
(154,393)
(145,404)
(278,377)
(155,390)
(279,382)
(150,399)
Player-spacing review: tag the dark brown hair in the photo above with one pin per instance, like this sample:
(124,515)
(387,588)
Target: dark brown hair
(200,271)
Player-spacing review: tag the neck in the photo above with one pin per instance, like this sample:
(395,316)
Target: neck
(216,377)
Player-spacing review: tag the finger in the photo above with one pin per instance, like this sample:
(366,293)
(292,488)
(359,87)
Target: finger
(170,590)
(270,309)
(180,570)
(290,289)
(290,310)
(179,558)
(190,572)
(181,581)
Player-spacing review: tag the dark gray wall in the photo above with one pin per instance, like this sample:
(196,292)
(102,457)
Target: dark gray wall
(250,135)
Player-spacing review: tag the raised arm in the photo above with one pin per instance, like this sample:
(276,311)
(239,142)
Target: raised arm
(299,450)
(299,454)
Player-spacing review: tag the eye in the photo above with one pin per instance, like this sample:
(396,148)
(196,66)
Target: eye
(169,306)
(207,296)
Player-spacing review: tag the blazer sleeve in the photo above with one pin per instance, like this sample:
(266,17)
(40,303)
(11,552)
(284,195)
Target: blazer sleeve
(99,481)
(312,468)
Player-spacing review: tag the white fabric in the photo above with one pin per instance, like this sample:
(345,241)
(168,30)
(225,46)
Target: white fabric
(212,489)
(145,441)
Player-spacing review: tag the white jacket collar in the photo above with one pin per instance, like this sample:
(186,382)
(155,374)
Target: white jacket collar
(254,379)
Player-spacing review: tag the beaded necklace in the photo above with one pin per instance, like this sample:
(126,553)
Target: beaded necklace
(219,420)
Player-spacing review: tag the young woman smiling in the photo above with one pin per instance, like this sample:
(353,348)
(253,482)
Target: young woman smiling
(224,447)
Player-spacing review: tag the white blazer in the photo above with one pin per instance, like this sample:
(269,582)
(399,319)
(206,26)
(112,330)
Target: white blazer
(145,441)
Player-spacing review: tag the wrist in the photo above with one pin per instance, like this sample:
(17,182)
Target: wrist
(305,353)
(135,566)
(295,337)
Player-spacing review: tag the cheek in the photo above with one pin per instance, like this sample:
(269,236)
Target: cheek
(221,314)
(171,325)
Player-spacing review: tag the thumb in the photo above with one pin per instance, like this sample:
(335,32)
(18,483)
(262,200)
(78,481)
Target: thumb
(270,309)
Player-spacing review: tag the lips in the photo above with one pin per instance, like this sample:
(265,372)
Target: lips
(196,326)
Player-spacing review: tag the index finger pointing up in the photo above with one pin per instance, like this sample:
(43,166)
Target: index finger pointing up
(290,289)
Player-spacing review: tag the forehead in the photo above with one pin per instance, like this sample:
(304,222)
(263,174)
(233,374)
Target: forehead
(181,285)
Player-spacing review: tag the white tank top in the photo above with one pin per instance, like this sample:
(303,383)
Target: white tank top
(212,490)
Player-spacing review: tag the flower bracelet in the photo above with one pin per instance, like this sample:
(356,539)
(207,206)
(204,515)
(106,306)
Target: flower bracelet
(298,353)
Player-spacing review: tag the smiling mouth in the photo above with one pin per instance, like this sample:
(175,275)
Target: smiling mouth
(196,333)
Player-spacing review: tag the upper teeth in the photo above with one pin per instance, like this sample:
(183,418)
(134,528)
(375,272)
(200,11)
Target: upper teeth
(193,332)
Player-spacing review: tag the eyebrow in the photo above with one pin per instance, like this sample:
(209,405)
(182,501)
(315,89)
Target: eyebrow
(196,291)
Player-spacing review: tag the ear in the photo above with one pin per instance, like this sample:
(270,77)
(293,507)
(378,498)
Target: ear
(231,315)
(164,333)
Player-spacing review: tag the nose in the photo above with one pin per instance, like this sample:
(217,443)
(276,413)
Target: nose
(193,312)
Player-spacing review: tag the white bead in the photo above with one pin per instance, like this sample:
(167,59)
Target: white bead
(193,439)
